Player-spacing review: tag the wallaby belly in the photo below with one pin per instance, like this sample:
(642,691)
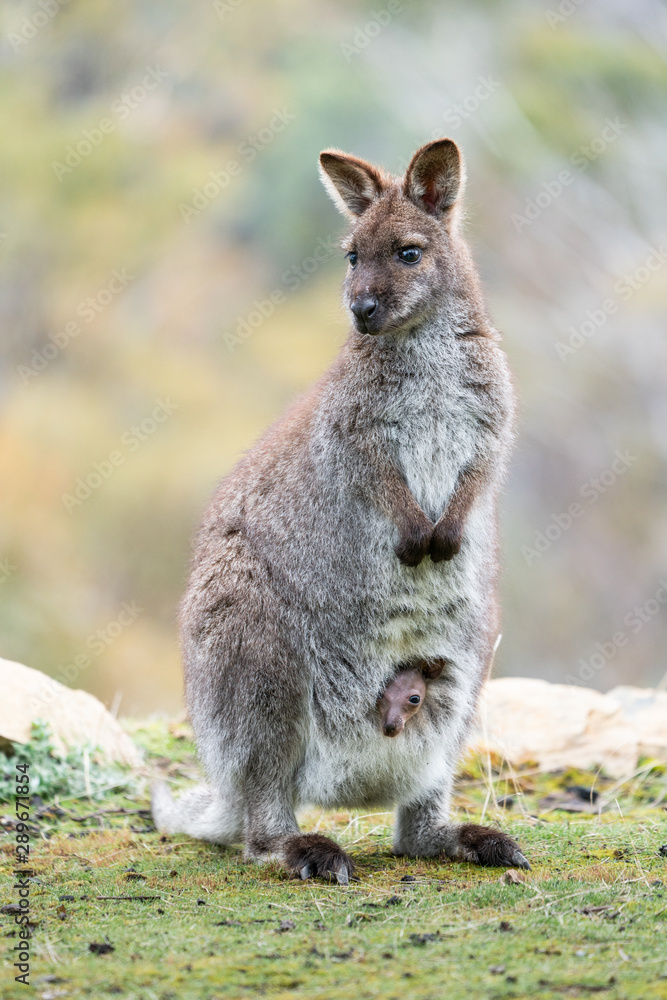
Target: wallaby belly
(373,772)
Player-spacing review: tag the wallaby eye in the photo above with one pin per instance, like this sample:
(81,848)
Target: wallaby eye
(414,699)
(410,255)
(352,257)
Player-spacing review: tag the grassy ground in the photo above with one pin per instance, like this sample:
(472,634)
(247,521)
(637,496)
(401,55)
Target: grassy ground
(177,920)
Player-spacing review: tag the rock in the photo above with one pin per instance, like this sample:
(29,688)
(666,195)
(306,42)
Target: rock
(74,717)
(645,709)
(555,725)
(512,877)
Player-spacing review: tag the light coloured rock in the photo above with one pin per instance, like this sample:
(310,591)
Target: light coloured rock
(557,725)
(645,709)
(74,717)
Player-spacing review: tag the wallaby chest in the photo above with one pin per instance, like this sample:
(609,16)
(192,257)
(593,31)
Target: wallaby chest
(431,432)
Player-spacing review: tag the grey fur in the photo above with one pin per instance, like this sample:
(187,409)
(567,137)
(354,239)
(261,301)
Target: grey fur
(299,610)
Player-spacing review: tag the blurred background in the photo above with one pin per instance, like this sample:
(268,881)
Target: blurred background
(170,280)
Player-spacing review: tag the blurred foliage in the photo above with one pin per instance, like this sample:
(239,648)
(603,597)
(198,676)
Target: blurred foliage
(220,75)
(77,774)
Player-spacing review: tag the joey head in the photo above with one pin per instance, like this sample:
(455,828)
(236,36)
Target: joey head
(401,699)
(404,695)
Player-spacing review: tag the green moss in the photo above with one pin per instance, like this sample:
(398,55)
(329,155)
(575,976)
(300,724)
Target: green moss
(588,918)
(75,773)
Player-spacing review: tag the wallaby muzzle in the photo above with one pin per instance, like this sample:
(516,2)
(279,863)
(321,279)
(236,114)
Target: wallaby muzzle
(368,314)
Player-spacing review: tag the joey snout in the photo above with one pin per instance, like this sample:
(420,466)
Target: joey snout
(393,725)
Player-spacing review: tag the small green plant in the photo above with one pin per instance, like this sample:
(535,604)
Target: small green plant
(76,773)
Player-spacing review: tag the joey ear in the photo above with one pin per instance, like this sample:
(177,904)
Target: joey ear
(352,184)
(431,669)
(435,176)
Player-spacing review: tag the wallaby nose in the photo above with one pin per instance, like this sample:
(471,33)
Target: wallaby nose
(364,306)
(392,728)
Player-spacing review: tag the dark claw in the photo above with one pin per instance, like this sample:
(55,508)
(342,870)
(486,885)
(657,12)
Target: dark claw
(312,855)
(520,861)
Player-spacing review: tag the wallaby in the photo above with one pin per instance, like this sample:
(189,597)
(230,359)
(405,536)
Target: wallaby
(404,695)
(357,535)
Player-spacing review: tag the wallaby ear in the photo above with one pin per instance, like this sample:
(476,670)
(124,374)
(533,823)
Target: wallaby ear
(351,183)
(435,176)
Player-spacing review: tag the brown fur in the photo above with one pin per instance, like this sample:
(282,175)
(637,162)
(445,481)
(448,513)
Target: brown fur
(357,536)
(311,854)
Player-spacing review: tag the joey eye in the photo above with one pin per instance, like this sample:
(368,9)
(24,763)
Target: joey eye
(352,257)
(414,699)
(410,255)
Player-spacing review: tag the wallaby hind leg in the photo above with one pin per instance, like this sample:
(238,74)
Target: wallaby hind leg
(422,831)
(271,831)
(255,716)
(270,826)
(200,812)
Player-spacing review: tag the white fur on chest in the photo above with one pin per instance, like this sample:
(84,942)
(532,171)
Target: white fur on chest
(432,444)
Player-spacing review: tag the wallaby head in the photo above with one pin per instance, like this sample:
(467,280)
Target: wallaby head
(402,249)
(401,700)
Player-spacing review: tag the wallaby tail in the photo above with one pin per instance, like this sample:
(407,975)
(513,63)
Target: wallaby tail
(200,813)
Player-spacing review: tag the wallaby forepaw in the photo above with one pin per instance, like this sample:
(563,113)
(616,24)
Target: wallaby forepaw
(311,855)
(413,545)
(445,541)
